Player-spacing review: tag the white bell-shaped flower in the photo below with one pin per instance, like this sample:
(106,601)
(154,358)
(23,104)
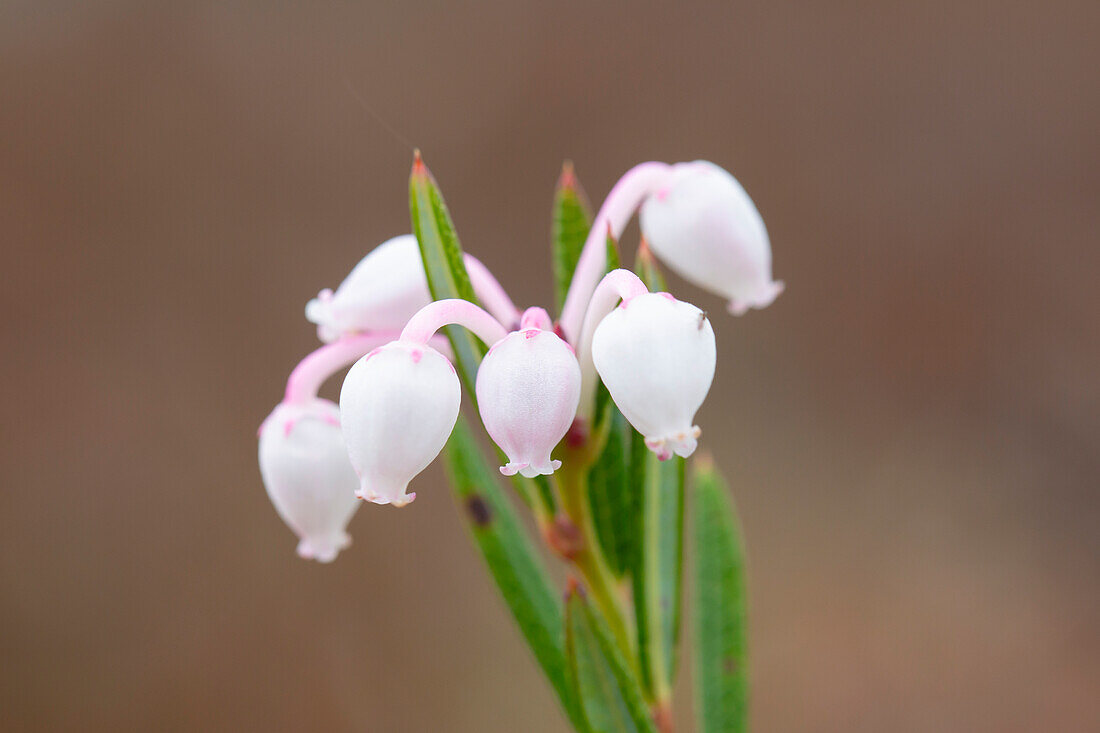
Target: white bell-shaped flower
(656,355)
(381,293)
(308,476)
(704,226)
(528,386)
(398,405)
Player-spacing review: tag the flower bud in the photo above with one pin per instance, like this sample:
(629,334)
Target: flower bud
(527,389)
(656,356)
(382,292)
(308,476)
(706,228)
(398,405)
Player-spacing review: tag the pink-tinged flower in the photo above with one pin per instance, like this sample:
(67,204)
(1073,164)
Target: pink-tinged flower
(307,475)
(388,287)
(381,293)
(656,355)
(398,405)
(528,386)
(704,226)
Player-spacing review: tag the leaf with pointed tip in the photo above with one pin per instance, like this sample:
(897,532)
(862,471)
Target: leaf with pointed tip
(569,225)
(445,268)
(720,629)
(646,268)
(512,560)
(442,255)
(608,693)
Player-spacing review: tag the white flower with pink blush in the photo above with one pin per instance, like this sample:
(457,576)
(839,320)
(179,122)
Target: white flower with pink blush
(305,468)
(703,224)
(536,385)
(398,405)
(528,387)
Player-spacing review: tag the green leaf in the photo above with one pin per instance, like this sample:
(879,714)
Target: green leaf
(613,498)
(570,222)
(646,268)
(608,693)
(658,573)
(720,629)
(442,255)
(512,560)
(614,261)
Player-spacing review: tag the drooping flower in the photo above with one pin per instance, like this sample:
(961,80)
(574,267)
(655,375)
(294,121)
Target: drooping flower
(704,226)
(381,292)
(305,469)
(387,287)
(528,386)
(656,355)
(398,405)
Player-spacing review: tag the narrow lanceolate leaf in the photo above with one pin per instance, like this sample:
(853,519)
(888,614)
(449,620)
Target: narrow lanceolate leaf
(569,224)
(608,693)
(613,498)
(719,627)
(442,255)
(658,572)
(512,561)
(646,268)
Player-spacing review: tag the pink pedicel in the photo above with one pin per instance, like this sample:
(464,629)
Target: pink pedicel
(452,311)
(616,285)
(536,318)
(624,199)
(315,369)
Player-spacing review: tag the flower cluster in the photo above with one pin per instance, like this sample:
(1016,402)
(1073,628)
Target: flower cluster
(538,381)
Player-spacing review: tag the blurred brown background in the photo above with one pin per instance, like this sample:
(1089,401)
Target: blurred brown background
(912,430)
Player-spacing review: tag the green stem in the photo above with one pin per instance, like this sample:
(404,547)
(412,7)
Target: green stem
(573,485)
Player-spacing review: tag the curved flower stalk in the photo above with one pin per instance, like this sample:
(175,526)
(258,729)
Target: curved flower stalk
(624,199)
(703,224)
(528,387)
(388,287)
(655,354)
